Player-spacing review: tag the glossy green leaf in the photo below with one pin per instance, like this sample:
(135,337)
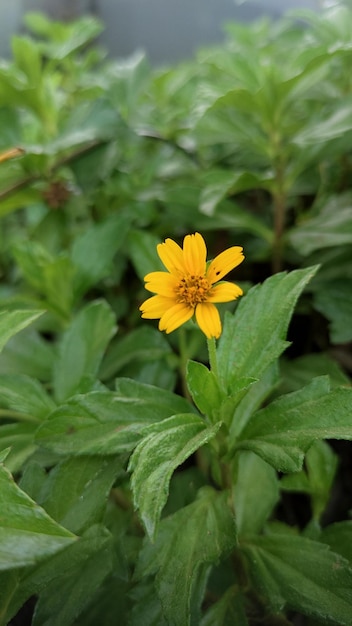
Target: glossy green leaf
(108,422)
(27,533)
(157,456)
(302,575)
(76,491)
(282,432)
(187,543)
(71,579)
(209,397)
(11,322)
(255,336)
(82,347)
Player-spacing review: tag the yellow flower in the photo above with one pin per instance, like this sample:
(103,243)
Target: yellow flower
(188,287)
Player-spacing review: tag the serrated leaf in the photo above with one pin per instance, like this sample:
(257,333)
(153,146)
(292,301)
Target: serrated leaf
(82,347)
(108,422)
(11,322)
(75,492)
(68,582)
(188,543)
(303,575)
(339,537)
(27,533)
(255,336)
(157,456)
(282,432)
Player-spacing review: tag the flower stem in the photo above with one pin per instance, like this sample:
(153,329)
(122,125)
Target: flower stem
(212,356)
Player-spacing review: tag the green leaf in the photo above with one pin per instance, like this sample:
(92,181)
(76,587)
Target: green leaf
(317,479)
(49,276)
(339,537)
(335,303)
(142,251)
(107,422)
(209,397)
(282,432)
(140,344)
(28,353)
(255,491)
(254,337)
(82,347)
(19,437)
(331,227)
(303,575)
(227,611)
(218,184)
(68,582)
(188,542)
(77,489)
(336,125)
(93,252)
(205,390)
(157,456)
(299,372)
(26,395)
(27,533)
(11,322)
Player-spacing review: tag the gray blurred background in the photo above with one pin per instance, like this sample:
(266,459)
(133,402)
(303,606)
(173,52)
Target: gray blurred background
(167,30)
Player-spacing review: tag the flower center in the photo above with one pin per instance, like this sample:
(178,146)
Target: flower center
(192,290)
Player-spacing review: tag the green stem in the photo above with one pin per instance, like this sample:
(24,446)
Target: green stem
(212,356)
(183,352)
(279,229)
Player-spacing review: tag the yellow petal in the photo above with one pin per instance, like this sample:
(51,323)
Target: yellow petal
(171,255)
(208,319)
(174,317)
(162,283)
(153,308)
(195,254)
(224,292)
(224,263)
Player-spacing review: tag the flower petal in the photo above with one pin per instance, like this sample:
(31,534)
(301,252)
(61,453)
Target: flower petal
(208,319)
(162,283)
(195,254)
(224,263)
(224,292)
(175,316)
(171,255)
(153,308)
